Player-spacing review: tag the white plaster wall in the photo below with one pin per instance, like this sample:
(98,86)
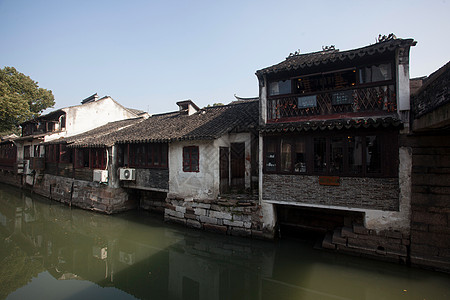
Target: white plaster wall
(403,91)
(403,86)
(20,148)
(204,184)
(88,116)
(191,110)
(199,185)
(260,168)
(382,220)
(263,99)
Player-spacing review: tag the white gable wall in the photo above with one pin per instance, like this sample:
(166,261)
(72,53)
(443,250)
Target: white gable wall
(82,118)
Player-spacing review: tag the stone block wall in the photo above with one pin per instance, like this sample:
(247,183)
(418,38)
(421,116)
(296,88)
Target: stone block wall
(430,201)
(355,192)
(152,201)
(357,240)
(84,194)
(10,177)
(226,216)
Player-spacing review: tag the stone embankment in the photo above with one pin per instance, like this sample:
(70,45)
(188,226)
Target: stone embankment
(360,241)
(232,216)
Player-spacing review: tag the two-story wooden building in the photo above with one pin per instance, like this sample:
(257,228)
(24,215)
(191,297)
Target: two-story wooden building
(65,122)
(332,125)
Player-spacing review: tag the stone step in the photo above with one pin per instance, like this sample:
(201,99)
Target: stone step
(347,232)
(327,243)
(337,238)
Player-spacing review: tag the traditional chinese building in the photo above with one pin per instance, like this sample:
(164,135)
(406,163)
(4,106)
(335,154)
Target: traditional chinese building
(65,122)
(184,164)
(333,160)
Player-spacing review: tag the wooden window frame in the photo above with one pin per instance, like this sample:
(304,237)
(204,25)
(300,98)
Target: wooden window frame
(387,148)
(285,106)
(96,159)
(27,152)
(158,152)
(358,84)
(191,164)
(52,153)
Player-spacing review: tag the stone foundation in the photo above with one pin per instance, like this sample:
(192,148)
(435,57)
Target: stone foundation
(152,201)
(360,241)
(83,194)
(226,216)
(11,178)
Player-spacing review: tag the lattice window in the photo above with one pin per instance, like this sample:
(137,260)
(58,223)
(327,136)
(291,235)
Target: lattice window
(381,98)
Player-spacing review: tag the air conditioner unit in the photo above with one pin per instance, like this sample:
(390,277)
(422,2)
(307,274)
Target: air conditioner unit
(127,258)
(20,167)
(100,175)
(127,174)
(101,253)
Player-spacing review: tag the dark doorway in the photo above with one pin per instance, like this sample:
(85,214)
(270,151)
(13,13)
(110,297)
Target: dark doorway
(311,223)
(224,170)
(238,166)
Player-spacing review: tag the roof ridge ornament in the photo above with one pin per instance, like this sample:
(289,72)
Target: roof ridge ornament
(384,38)
(329,48)
(296,53)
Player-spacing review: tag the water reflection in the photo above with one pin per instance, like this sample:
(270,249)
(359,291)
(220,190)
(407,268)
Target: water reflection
(52,251)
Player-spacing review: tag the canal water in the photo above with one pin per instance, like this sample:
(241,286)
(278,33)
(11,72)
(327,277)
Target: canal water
(50,251)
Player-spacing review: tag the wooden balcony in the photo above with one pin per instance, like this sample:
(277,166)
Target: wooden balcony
(377,100)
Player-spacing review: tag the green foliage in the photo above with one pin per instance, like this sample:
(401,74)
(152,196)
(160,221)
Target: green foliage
(215,104)
(17,267)
(20,99)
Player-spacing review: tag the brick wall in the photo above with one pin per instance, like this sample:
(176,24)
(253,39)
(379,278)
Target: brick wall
(430,201)
(366,193)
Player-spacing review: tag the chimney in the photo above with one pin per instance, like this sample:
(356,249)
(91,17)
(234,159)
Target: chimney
(90,99)
(187,107)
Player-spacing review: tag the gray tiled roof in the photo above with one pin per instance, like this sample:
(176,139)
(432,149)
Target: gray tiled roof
(336,124)
(206,124)
(300,61)
(97,137)
(434,93)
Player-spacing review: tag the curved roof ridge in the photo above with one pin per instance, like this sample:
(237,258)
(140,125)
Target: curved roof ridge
(297,61)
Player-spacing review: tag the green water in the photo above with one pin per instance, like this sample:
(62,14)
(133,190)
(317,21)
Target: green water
(49,251)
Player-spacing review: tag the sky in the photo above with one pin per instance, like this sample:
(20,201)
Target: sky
(148,55)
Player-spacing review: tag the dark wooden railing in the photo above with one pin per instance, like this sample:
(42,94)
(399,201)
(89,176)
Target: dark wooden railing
(372,99)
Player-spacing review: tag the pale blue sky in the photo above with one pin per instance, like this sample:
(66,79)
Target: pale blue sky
(150,54)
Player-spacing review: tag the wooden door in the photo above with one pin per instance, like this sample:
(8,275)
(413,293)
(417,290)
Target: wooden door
(224,169)
(238,166)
